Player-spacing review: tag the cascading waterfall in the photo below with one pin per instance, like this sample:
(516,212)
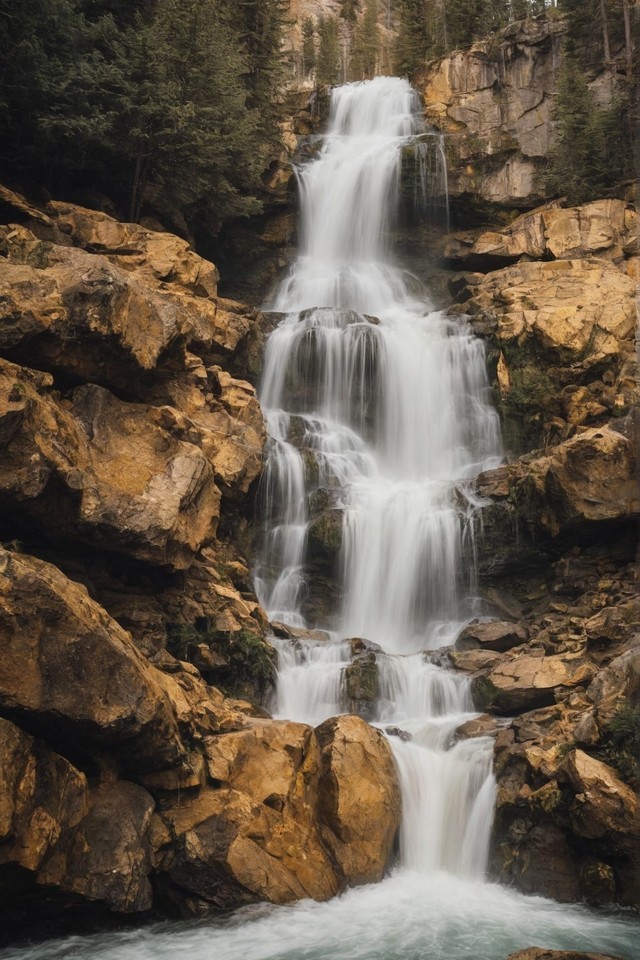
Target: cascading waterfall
(379,405)
(379,402)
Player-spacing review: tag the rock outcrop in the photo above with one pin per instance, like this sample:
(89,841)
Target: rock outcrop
(554,297)
(494,102)
(130,444)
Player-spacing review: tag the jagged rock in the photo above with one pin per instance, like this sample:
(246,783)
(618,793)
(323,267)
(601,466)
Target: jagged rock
(160,257)
(279,788)
(494,101)
(482,726)
(578,309)
(602,801)
(577,486)
(107,856)
(73,674)
(527,682)
(497,635)
(41,797)
(602,228)
(122,475)
(361,824)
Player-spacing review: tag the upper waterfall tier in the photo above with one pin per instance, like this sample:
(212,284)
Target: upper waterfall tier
(349,198)
(372,398)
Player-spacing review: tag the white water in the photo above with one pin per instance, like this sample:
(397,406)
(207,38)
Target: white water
(388,398)
(395,416)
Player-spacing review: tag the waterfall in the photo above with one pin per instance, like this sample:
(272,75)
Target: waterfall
(379,404)
(376,405)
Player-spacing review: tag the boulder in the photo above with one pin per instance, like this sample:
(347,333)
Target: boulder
(107,472)
(161,258)
(360,824)
(528,682)
(574,488)
(603,228)
(107,856)
(603,803)
(42,796)
(276,788)
(71,673)
(583,310)
(496,635)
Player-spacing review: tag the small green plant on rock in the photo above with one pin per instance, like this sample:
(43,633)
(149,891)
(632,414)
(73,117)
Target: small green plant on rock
(622,749)
(242,663)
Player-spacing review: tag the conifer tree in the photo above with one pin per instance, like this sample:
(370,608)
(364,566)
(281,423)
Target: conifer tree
(577,158)
(349,10)
(367,42)
(308,46)
(328,60)
(414,42)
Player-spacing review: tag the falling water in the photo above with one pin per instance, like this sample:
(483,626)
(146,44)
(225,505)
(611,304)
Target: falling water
(378,404)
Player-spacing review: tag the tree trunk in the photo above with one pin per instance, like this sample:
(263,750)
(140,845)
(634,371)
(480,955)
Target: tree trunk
(628,40)
(605,31)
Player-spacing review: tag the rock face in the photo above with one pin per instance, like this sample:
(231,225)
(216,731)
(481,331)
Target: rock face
(494,102)
(130,443)
(607,229)
(554,297)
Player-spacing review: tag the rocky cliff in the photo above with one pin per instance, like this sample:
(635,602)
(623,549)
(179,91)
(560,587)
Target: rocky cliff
(494,102)
(556,663)
(139,775)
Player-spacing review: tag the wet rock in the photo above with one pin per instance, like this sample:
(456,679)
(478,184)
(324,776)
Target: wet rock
(107,856)
(360,825)
(286,632)
(483,726)
(403,735)
(361,685)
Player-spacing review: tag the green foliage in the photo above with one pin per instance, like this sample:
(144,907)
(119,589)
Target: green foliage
(367,43)
(328,63)
(581,164)
(308,46)
(246,661)
(168,102)
(414,42)
(349,10)
(623,747)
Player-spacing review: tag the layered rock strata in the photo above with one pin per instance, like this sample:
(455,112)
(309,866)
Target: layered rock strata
(130,447)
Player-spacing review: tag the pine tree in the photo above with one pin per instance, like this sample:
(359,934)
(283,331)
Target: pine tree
(192,139)
(414,42)
(349,10)
(577,159)
(367,43)
(328,61)
(308,46)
